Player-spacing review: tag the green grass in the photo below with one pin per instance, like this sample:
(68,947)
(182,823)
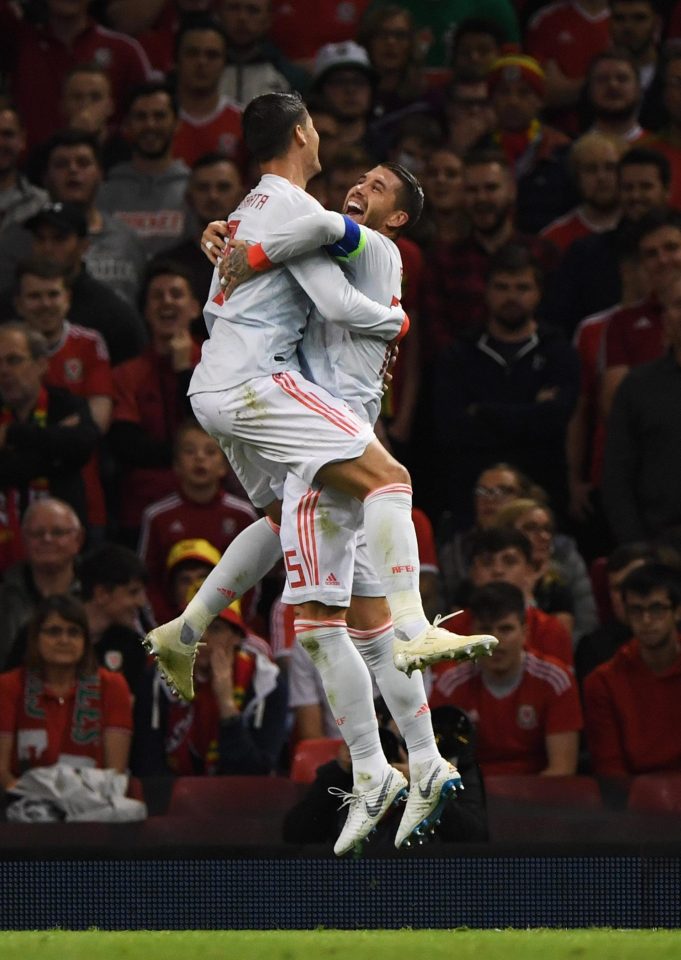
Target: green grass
(340,944)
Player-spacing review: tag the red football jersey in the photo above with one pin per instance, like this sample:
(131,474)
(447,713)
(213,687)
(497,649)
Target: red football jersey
(218,133)
(512,729)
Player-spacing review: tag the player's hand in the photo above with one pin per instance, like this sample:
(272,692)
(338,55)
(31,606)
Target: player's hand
(213,240)
(392,360)
(234,268)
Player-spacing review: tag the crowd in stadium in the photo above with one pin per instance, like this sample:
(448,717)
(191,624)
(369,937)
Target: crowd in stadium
(536,401)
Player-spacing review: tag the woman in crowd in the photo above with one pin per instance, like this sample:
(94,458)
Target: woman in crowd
(563,586)
(60,707)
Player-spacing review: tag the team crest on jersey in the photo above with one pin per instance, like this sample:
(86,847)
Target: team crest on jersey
(227,143)
(103,56)
(73,369)
(228,526)
(113,660)
(527,717)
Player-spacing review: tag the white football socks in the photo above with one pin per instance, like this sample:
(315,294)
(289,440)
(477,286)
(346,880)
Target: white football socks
(393,549)
(405,697)
(247,559)
(347,685)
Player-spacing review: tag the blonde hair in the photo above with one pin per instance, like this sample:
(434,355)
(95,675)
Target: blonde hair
(510,513)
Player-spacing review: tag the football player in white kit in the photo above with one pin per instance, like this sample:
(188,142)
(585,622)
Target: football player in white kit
(326,559)
(248,392)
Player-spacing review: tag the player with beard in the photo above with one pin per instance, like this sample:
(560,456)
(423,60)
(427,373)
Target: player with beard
(509,393)
(454,273)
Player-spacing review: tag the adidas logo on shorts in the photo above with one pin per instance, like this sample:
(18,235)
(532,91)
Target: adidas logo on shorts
(332,581)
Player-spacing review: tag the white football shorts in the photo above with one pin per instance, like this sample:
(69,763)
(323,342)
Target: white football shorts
(270,426)
(325,554)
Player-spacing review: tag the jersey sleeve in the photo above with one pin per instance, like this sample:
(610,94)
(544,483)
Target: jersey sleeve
(338,302)
(339,234)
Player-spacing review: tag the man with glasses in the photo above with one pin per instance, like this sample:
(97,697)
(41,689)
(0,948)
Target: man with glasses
(51,539)
(632,703)
(47,435)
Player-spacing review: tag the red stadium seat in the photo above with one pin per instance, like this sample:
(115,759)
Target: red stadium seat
(310,754)
(656,792)
(577,791)
(219,797)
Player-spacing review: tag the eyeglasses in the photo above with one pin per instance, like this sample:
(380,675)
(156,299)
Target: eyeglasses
(56,533)
(72,632)
(654,610)
(491,493)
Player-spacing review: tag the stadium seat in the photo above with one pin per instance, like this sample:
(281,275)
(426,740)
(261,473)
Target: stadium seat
(217,797)
(310,754)
(656,792)
(577,791)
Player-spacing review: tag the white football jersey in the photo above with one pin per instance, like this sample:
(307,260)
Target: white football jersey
(347,363)
(257,331)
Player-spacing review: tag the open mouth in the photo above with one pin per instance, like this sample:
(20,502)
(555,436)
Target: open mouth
(354,208)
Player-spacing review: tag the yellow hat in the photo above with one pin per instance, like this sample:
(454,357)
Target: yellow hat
(197,549)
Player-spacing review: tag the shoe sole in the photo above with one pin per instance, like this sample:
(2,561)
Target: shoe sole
(148,645)
(357,845)
(447,791)
(472,651)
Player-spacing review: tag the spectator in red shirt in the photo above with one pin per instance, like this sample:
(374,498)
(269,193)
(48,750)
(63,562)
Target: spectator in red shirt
(199,507)
(60,707)
(208,120)
(155,25)
(78,360)
(503,555)
(565,36)
(525,705)
(635,334)
(38,54)
(632,703)
(150,394)
(592,163)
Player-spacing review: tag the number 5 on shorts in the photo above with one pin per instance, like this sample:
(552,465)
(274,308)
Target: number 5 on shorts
(294,568)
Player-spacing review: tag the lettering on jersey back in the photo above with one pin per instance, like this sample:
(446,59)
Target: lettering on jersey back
(257,200)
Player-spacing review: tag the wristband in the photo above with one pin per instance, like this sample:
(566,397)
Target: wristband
(258,259)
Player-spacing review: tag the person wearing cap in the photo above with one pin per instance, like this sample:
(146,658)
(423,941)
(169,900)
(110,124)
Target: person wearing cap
(236,724)
(59,233)
(344,79)
(535,151)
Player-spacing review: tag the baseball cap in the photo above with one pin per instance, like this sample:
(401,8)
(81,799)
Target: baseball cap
(334,56)
(196,549)
(65,217)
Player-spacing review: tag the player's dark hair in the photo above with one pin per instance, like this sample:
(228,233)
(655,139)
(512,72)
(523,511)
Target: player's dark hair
(268,123)
(410,196)
(496,600)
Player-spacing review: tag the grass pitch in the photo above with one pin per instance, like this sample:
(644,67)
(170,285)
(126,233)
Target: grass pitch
(341,944)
